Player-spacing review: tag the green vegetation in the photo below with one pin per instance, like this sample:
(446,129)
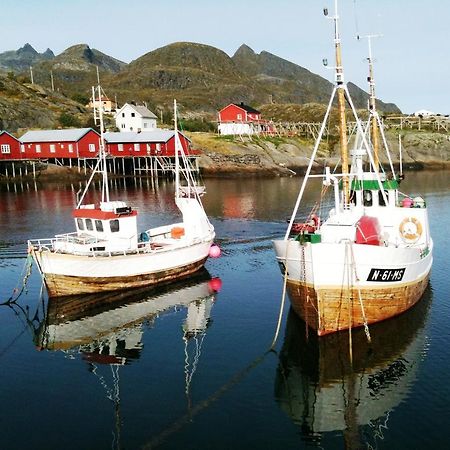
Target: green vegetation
(69,120)
(197,125)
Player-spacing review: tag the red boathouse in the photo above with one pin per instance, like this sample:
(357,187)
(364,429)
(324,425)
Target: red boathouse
(71,143)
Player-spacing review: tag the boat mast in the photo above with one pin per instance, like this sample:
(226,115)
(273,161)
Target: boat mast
(102,151)
(339,80)
(372,106)
(177,162)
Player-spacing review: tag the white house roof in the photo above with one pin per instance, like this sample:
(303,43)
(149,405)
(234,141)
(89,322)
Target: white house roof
(71,135)
(147,136)
(143,111)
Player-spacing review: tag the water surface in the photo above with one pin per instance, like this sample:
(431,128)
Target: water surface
(186,366)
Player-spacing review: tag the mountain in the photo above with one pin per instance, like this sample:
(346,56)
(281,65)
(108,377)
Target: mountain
(202,78)
(75,69)
(21,59)
(290,83)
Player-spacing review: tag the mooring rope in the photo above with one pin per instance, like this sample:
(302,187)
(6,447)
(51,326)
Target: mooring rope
(17,292)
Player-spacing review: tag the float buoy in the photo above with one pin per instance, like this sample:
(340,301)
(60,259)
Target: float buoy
(214,251)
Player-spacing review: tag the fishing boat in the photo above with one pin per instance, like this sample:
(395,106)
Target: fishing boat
(107,252)
(368,258)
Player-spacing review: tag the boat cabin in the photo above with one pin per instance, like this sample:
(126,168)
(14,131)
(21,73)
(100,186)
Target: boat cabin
(108,227)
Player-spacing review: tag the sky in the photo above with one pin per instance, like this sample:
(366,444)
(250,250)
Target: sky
(412,63)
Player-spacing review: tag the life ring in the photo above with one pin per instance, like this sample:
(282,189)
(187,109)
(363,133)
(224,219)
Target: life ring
(410,229)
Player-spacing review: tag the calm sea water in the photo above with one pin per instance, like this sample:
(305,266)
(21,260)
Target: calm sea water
(186,366)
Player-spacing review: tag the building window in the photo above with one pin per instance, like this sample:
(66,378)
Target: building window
(38,148)
(239,117)
(123,114)
(120,147)
(92,148)
(114,225)
(22,148)
(52,148)
(122,126)
(145,125)
(6,148)
(137,147)
(70,148)
(133,115)
(158,147)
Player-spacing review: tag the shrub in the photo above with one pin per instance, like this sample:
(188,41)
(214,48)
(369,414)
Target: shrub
(68,120)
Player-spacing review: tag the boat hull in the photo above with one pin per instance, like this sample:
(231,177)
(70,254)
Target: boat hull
(66,274)
(333,309)
(333,287)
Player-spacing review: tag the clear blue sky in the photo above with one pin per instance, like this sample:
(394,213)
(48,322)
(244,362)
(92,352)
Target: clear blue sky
(412,62)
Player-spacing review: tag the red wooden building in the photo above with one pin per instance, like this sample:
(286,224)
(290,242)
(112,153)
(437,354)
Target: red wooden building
(150,143)
(71,143)
(235,112)
(9,147)
(242,119)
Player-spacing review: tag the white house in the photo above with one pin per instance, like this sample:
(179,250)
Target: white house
(135,118)
(424,113)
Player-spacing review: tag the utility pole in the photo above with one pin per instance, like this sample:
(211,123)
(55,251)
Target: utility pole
(31,75)
(51,79)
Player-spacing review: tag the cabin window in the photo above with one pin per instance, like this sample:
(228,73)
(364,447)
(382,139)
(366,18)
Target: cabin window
(145,125)
(80,224)
(6,148)
(353,197)
(120,147)
(89,225)
(92,147)
(367,198)
(114,225)
(381,201)
(99,225)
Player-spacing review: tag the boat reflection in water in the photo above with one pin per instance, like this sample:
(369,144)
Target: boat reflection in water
(108,328)
(323,390)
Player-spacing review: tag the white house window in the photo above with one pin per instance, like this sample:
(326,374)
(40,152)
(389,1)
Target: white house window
(123,125)
(145,125)
(38,148)
(133,115)
(123,114)
(137,147)
(70,148)
(6,148)
(52,148)
(120,147)
(92,148)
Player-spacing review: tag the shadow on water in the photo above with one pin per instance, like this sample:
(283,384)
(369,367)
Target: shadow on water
(323,391)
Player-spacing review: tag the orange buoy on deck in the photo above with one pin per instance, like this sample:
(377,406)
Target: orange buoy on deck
(177,232)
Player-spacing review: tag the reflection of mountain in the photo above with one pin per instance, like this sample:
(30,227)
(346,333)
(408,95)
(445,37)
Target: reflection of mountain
(107,328)
(322,391)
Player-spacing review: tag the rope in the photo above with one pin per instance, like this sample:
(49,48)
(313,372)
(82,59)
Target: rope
(361,304)
(26,272)
(283,300)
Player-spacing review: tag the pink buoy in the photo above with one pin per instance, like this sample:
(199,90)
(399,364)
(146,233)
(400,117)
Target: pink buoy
(407,202)
(214,251)
(215,284)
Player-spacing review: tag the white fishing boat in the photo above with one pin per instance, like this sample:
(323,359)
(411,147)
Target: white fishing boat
(107,252)
(370,257)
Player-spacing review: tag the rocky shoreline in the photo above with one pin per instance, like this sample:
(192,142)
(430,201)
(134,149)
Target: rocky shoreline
(290,156)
